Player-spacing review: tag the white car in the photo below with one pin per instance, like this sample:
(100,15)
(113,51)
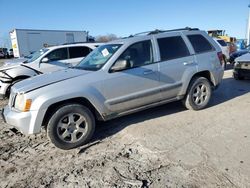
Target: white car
(224,48)
(43,61)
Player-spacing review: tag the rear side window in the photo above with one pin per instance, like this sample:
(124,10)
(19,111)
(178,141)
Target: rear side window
(79,51)
(172,48)
(222,42)
(200,44)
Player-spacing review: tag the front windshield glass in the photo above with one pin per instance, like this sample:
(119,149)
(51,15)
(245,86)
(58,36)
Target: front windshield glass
(97,58)
(36,55)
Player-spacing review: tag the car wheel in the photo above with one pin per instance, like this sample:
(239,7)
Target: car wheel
(225,62)
(238,77)
(198,94)
(71,126)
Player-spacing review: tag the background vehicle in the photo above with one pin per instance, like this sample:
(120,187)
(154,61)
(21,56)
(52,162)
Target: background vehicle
(25,41)
(45,60)
(11,54)
(242,67)
(224,48)
(238,53)
(241,44)
(4,53)
(116,79)
(221,34)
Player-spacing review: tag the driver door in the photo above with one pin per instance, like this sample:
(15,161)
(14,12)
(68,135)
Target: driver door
(58,60)
(137,85)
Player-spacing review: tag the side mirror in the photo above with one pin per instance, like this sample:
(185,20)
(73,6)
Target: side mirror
(45,60)
(120,65)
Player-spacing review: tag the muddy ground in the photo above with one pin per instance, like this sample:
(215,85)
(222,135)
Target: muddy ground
(167,146)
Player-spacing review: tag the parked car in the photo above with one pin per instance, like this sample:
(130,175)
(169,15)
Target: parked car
(242,67)
(239,53)
(11,54)
(224,48)
(232,47)
(4,53)
(45,60)
(241,45)
(116,79)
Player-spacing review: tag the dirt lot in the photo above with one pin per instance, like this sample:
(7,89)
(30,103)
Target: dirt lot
(167,146)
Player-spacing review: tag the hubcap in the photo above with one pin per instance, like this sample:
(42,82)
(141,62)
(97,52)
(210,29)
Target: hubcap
(72,127)
(200,94)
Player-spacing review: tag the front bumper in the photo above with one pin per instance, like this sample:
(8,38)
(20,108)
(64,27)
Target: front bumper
(242,72)
(23,121)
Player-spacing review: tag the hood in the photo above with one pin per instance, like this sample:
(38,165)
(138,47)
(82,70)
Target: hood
(12,64)
(245,57)
(47,79)
(239,53)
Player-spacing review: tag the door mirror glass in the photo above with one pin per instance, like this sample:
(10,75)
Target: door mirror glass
(120,65)
(45,60)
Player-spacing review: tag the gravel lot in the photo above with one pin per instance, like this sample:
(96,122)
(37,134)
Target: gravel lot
(167,146)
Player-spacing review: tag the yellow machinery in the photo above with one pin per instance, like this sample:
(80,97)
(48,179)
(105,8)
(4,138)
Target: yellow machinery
(221,34)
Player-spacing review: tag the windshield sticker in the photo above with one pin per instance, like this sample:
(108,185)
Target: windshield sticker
(105,52)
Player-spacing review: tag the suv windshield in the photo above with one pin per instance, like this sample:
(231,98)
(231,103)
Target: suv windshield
(97,58)
(36,55)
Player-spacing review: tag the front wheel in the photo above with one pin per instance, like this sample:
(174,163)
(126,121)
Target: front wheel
(71,126)
(198,94)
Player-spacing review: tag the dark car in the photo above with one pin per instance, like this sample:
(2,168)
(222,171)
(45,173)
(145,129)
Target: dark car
(239,53)
(4,53)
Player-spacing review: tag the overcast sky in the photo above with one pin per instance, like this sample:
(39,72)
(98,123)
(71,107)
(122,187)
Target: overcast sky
(123,17)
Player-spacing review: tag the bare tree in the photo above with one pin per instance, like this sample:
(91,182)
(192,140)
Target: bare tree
(106,38)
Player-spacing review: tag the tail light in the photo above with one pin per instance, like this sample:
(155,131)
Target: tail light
(220,56)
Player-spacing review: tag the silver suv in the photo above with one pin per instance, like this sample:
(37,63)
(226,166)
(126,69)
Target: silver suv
(116,79)
(45,60)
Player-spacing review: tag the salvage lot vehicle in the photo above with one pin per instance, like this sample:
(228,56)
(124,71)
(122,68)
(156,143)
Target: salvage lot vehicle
(242,67)
(116,79)
(239,53)
(224,48)
(4,53)
(45,60)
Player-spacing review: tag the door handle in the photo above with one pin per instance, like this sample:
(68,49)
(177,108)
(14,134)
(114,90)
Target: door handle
(148,72)
(189,63)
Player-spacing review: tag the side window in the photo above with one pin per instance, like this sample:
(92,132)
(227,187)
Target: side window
(79,51)
(172,48)
(58,54)
(138,54)
(200,44)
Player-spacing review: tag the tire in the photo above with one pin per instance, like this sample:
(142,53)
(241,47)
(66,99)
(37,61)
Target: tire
(198,94)
(71,126)
(238,77)
(225,62)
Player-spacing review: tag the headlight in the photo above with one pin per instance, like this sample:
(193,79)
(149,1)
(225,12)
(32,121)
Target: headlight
(236,64)
(21,103)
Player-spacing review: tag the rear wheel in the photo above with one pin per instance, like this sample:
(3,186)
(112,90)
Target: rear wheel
(71,126)
(198,94)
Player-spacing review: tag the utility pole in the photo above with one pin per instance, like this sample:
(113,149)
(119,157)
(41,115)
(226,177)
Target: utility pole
(248,26)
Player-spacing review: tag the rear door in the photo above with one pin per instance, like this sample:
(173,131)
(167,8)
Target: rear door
(175,64)
(205,53)
(77,53)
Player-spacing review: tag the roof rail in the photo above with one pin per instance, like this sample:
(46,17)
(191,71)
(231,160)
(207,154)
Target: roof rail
(163,31)
(79,43)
